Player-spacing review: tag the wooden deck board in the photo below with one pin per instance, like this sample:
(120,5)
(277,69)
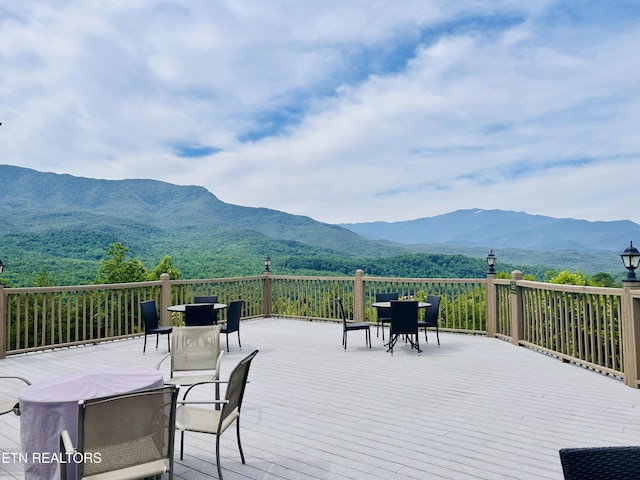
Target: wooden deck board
(473,408)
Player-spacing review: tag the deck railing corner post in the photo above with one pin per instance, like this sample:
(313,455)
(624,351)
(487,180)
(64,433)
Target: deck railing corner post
(266,294)
(630,332)
(491,307)
(517,317)
(165,299)
(358,296)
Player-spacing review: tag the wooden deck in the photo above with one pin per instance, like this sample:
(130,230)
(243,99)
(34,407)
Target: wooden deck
(475,408)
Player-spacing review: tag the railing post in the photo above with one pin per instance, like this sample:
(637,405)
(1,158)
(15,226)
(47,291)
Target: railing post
(165,300)
(492,312)
(630,330)
(358,296)
(266,294)
(3,323)
(517,319)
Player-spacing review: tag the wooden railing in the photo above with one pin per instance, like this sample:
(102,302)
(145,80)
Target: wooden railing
(595,327)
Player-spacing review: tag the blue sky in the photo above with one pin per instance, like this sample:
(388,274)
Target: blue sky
(344,111)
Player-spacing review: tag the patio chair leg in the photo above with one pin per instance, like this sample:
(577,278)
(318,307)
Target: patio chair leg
(239,443)
(181,445)
(218,457)
(239,344)
(157,339)
(144,348)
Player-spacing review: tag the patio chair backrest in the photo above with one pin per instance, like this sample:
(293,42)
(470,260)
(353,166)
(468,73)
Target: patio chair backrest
(404,317)
(208,299)
(133,429)
(205,299)
(199,314)
(385,313)
(195,348)
(149,314)
(342,313)
(235,388)
(432,312)
(233,315)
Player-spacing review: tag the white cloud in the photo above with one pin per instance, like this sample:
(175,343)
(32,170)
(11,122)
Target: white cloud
(342,111)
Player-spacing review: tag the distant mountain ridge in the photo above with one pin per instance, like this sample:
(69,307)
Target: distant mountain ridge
(504,229)
(65,224)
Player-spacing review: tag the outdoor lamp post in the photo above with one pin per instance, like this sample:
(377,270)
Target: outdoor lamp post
(631,259)
(1,267)
(491,261)
(267,263)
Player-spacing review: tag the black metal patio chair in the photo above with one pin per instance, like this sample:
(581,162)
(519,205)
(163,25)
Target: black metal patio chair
(208,299)
(352,326)
(383,313)
(233,321)
(431,317)
(151,324)
(404,322)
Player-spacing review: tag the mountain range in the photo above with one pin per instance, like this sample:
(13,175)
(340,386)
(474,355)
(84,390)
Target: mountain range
(504,229)
(51,221)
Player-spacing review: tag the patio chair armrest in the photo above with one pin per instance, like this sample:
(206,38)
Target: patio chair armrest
(210,402)
(66,450)
(66,445)
(208,382)
(218,362)
(162,360)
(16,378)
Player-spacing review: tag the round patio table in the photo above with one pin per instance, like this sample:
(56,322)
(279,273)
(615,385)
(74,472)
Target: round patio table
(183,306)
(388,304)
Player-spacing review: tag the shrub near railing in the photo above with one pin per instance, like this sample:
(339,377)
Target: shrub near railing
(580,324)
(47,317)
(462,301)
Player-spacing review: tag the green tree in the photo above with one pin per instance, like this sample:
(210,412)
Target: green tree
(44,279)
(507,276)
(565,277)
(116,269)
(603,279)
(165,266)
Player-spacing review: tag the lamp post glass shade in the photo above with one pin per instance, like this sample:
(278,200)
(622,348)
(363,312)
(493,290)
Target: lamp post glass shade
(1,267)
(267,263)
(491,261)
(631,259)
